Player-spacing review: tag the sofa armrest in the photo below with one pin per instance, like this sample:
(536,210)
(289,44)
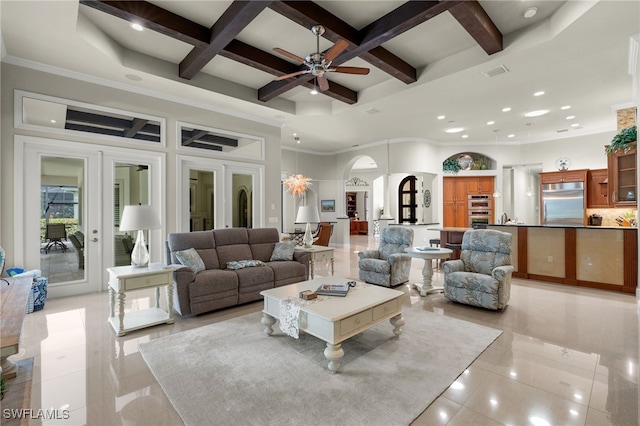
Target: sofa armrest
(502,273)
(184,275)
(369,254)
(398,258)
(450,266)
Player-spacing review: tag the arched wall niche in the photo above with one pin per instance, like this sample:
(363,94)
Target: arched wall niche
(474,161)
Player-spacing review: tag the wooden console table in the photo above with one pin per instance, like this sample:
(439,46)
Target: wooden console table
(14,295)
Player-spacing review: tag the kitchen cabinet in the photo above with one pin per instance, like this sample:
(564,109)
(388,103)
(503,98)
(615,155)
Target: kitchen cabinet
(358,227)
(564,176)
(622,178)
(598,189)
(456,191)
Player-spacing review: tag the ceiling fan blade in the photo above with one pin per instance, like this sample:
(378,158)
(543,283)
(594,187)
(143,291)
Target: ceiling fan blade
(351,70)
(288,54)
(323,83)
(335,50)
(293,74)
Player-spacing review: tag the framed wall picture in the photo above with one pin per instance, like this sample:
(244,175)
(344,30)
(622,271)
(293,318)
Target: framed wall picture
(328,205)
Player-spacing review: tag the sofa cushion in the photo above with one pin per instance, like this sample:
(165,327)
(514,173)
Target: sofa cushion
(191,258)
(285,270)
(262,241)
(213,281)
(283,251)
(202,241)
(261,276)
(241,264)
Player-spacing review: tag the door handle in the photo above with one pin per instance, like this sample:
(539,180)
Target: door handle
(94,240)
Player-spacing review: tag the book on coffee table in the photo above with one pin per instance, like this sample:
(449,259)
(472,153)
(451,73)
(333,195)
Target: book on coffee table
(333,289)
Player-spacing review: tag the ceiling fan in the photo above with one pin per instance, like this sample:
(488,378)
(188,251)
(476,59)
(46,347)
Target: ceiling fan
(320,63)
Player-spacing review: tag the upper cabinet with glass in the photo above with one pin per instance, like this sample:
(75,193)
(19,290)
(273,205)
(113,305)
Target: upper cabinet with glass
(622,178)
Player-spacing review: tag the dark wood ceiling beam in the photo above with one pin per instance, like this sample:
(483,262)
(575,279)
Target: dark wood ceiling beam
(396,22)
(136,125)
(188,137)
(307,14)
(259,59)
(237,16)
(265,61)
(479,25)
(277,88)
(155,18)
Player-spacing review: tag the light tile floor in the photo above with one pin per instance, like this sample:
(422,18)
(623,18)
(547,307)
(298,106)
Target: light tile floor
(567,356)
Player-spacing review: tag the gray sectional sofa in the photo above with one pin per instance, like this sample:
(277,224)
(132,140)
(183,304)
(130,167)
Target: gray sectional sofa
(217,286)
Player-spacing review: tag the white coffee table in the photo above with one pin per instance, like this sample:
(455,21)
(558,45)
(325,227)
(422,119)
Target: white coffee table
(428,254)
(334,319)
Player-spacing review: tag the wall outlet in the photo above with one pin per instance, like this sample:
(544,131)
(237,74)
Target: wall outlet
(550,259)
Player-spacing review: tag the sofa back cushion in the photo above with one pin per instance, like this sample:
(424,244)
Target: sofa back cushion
(202,241)
(262,241)
(232,244)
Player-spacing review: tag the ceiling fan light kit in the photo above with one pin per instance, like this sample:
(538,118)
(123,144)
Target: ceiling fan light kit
(319,63)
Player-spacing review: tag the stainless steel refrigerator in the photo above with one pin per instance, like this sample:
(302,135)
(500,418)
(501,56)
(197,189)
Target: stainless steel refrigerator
(563,204)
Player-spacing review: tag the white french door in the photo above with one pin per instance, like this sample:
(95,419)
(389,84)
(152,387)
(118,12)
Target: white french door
(91,170)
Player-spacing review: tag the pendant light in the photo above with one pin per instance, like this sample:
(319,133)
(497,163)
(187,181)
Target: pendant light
(496,193)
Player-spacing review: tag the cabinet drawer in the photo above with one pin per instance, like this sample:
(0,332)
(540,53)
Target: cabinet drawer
(355,322)
(145,281)
(323,255)
(385,309)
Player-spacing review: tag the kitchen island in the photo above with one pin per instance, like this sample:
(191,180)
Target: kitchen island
(587,256)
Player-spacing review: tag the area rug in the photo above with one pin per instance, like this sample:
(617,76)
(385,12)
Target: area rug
(231,373)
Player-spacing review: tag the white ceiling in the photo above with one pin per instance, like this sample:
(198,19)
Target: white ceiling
(575,51)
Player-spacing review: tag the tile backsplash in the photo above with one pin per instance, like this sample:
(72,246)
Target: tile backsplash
(609,215)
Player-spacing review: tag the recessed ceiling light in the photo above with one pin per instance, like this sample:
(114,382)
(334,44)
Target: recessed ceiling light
(455,130)
(295,134)
(441,117)
(314,91)
(537,113)
(136,26)
(490,123)
(575,125)
(539,93)
(511,135)
(53,121)
(530,12)
(506,109)
(570,117)
(465,136)
(565,107)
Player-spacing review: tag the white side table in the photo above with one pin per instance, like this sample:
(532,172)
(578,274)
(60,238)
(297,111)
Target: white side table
(428,254)
(127,278)
(318,253)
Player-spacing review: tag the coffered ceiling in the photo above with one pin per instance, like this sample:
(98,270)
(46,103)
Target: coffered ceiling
(464,60)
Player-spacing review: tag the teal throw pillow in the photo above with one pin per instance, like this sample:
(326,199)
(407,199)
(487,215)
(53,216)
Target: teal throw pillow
(191,258)
(283,251)
(239,264)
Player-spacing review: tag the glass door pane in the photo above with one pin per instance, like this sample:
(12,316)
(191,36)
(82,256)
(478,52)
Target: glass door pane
(61,219)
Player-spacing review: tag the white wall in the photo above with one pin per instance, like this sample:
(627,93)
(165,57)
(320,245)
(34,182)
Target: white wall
(14,77)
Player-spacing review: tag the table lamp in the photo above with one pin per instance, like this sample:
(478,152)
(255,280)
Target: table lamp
(138,218)
(307,214)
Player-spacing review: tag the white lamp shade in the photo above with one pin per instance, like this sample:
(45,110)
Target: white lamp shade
(307,214)
(136,218)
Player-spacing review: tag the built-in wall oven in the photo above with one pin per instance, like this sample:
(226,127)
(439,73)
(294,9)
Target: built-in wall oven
(479,210)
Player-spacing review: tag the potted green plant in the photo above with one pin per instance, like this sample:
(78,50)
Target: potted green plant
(450,166)
(623,141)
